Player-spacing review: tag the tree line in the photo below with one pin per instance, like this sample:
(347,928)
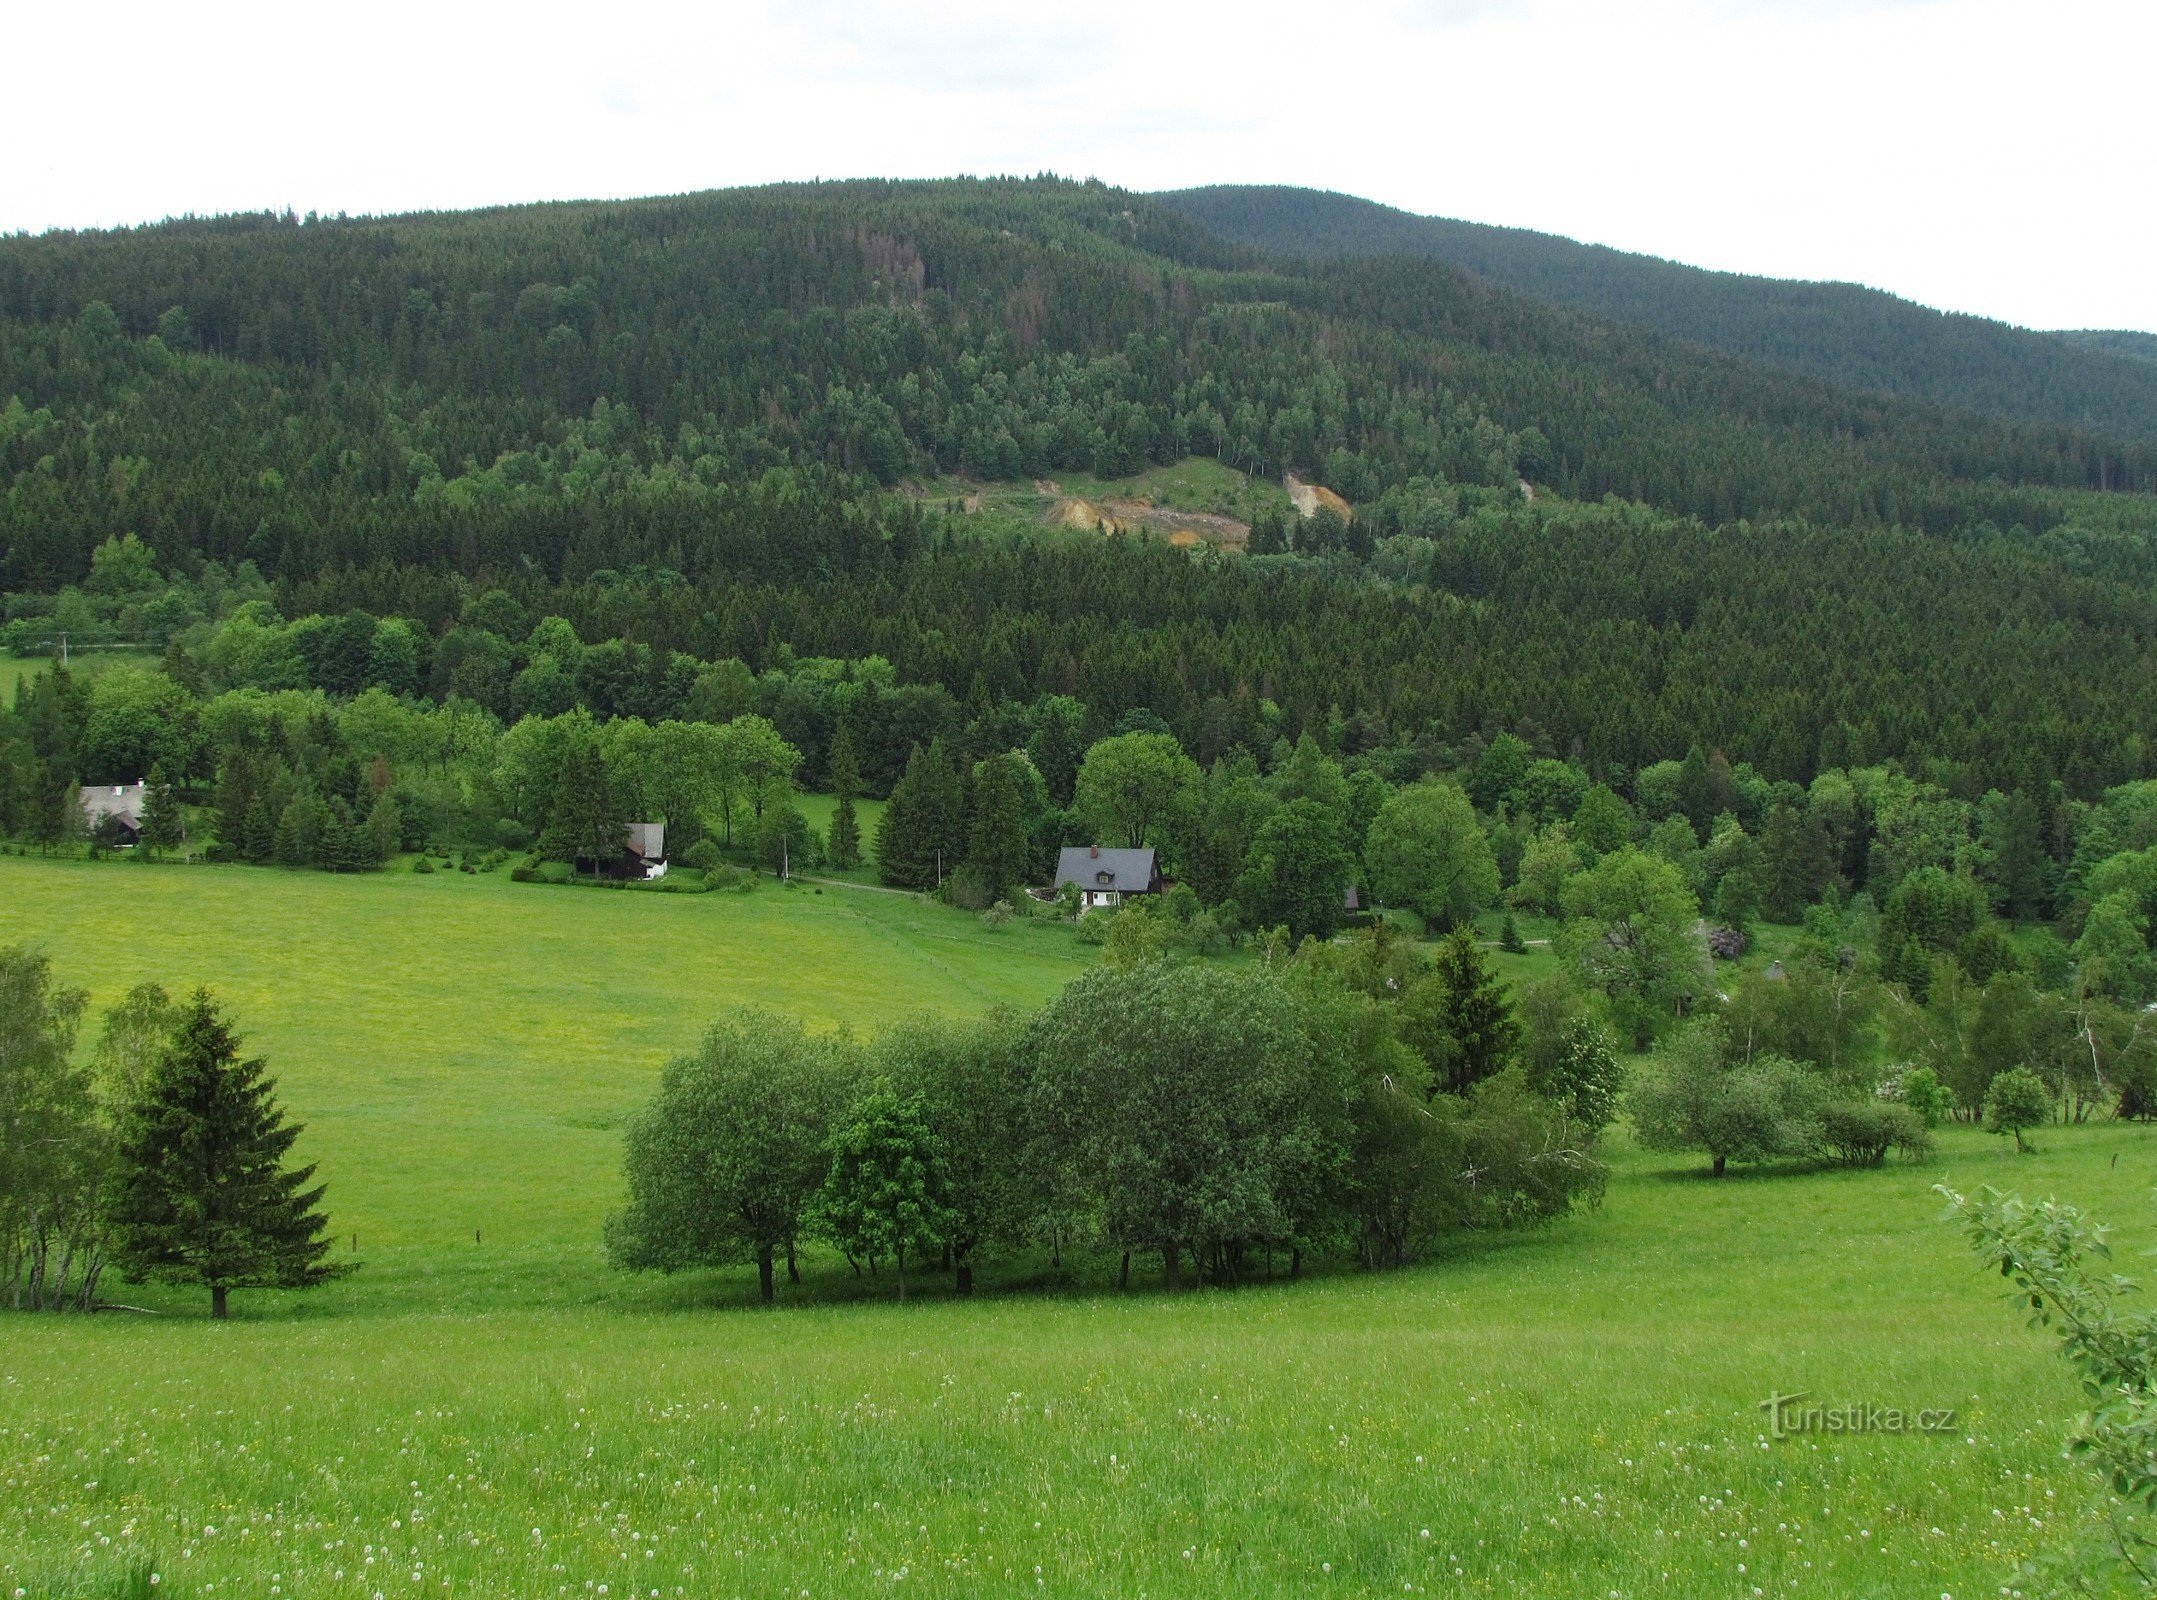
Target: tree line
(1222,1123)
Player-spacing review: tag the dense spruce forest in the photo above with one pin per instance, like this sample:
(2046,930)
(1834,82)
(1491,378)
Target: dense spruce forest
(1841,332)
(2117,341)
(682,425)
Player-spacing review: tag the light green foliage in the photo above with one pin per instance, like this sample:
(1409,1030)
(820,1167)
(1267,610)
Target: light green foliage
(53,1150)
(1587,1077)
(1310,774)
(1632,934)
(1188,1108)
(1134,934)
(1547,865)
(1604,822)
(1426,851)
(1695,1095)
(723,1164)
(2059,1264)
(884,1198)
(1923,1092)
(1134,788)
(972,1085)
(2016,1099)
(1824,1013)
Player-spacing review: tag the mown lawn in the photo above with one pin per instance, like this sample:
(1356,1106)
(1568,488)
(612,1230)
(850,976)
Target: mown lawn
(1569,1413)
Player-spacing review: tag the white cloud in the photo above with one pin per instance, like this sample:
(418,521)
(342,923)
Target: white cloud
(1983,155)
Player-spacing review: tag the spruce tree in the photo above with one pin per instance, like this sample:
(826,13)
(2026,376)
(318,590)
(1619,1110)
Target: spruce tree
(1477,1014)
(56,815)
(200,1189)
(231,800)
(842,845)
(905,857)
(996,844)
(587,823)
(258,834)
(162,826)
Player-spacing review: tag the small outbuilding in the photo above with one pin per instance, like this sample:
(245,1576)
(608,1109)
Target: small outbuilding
(644,850)
(113,810)
(1107,877)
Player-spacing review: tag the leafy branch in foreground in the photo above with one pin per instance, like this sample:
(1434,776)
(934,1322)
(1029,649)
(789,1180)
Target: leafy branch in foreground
(2057,1259)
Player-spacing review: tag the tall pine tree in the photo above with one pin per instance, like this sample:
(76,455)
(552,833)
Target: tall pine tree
(200,1189)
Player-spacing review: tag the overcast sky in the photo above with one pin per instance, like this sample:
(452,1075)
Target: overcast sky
(1993,156)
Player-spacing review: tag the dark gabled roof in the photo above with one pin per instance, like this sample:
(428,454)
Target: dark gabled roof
(1097,870)
(122,800)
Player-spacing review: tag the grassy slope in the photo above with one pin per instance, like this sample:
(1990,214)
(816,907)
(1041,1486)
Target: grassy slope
(13,668)
(461,1046)
(1583,1402)
(1571,1414)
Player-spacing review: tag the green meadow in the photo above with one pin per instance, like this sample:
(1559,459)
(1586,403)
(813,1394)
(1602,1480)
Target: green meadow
(14,668)
(462,1047)
(1567,1413)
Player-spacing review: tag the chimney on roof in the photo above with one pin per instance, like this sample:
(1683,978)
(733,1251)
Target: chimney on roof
(1095,852)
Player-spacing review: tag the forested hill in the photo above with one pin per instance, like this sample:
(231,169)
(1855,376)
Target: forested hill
(2115,341)
(679,423)
(1838,331)
(430,387)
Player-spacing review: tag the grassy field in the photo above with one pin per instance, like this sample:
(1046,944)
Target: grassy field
(14,668)
(462,1047)
(1572,1413)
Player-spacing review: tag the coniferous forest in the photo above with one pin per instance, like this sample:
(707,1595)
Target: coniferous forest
(676,423)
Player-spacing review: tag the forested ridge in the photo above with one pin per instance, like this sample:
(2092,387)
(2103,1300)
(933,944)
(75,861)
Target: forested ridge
(674,422)
(1842,332)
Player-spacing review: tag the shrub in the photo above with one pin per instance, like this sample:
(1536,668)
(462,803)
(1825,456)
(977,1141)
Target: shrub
(422,864)
(998,916)
(1695,1097)
(969,890)
(1585,1076)
(1921,1090)
(1205,935)
(524,875)
(704,857)
(2015,1100)
(1859,1133)
(2138,1093)
(1093,928)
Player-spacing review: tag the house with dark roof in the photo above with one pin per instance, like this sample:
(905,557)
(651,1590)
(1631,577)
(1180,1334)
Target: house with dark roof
(113,810)
(1106,877)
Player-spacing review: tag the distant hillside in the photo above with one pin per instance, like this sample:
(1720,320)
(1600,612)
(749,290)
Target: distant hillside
(2113,341)
(1838,331)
